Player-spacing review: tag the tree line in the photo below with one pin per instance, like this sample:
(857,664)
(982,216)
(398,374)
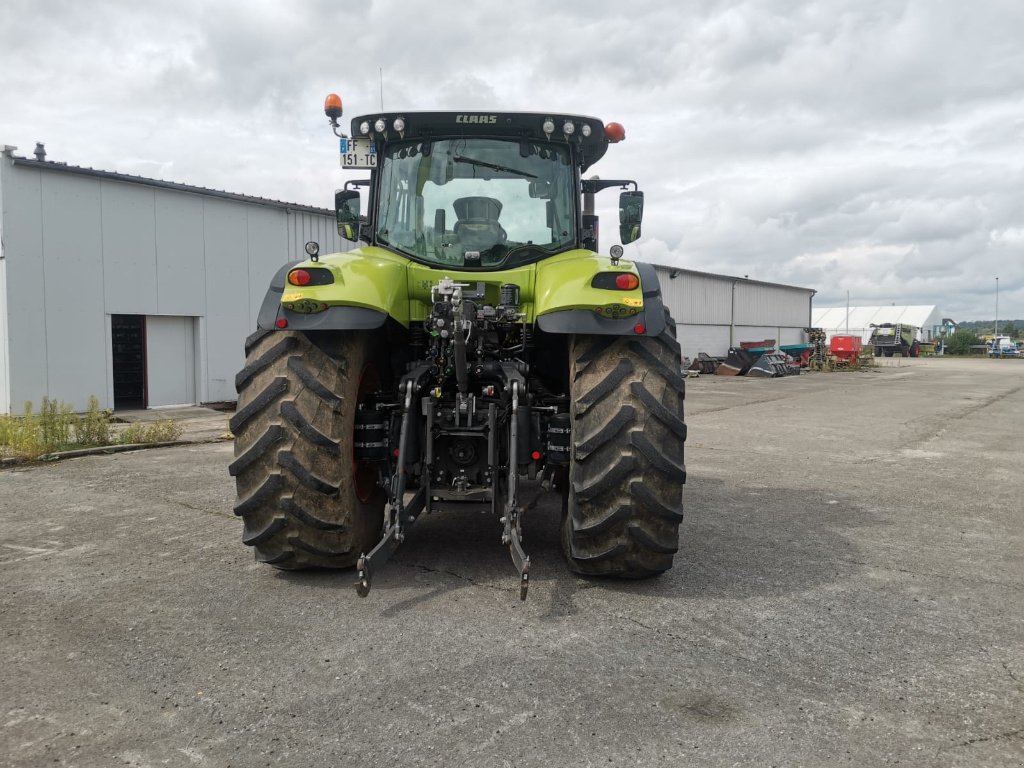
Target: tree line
(969,335)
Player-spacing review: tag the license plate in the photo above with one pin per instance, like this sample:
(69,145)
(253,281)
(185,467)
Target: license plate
(358,153)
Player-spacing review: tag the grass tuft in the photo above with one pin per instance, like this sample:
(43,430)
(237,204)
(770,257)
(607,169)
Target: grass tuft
(56,427)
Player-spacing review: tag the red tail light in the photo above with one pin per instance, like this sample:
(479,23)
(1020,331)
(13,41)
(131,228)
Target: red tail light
(299,277)
(627,281)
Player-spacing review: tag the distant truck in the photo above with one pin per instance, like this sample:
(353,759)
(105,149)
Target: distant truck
(1003,346)
(890,339)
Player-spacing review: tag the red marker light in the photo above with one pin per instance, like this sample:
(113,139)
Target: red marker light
(282,323)
(535,455)
(614,132)
(332,106)
(395,453)
(639,329)
(299,277)
(627,281)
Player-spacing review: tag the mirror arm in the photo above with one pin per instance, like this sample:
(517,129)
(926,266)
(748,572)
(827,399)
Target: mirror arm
(590,186)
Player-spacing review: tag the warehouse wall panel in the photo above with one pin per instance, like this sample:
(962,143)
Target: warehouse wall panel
(267,235)
(180,254)
(229,316)
(712,339)
(760,304)
(792,336)
(72,274)
(304,226)
(5,368)
(26,292)
(129,247)
(695,298)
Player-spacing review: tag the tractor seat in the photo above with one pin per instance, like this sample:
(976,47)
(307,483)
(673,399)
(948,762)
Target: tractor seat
(477,226)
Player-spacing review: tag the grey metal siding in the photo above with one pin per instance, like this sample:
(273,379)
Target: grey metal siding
(714,311)
(180,254)
(781,334)
(792,336)
(303,227)
(229,316)
(267,233)
(26,296)
(712,339)
(5,369)
(759,304)
(695,298)
(129,245)
(79,248)
(74,329)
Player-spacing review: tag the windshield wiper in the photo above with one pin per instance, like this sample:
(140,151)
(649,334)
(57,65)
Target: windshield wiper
(493,166)
(517,249)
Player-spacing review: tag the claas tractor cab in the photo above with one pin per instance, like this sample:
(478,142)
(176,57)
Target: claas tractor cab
(474,344)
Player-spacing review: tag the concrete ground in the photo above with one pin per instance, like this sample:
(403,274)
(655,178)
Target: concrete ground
(199,424)
(848,592)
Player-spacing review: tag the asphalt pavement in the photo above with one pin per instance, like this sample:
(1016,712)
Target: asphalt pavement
(848,591)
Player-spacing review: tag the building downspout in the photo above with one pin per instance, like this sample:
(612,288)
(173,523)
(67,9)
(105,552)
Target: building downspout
(732,316)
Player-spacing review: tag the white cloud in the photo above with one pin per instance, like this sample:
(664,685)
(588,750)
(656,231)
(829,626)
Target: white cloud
(861,145)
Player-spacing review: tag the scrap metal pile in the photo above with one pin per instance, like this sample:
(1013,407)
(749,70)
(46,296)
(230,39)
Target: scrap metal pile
(760,359)
(705,363)
(763,359)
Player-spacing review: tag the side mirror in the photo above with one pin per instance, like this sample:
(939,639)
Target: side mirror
(540,190)
(631,214)
(346,209)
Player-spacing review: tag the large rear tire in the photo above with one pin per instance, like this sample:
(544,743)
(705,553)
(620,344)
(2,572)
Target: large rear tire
(303,500)
(626,469)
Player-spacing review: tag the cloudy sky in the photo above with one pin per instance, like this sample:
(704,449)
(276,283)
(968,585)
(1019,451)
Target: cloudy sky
(874,147)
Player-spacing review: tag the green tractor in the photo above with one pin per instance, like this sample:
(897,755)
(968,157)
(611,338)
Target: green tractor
(474,345)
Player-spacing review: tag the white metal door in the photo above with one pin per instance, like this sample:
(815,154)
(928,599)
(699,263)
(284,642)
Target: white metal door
(170,360)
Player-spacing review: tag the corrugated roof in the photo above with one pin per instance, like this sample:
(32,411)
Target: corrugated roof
(863,317)
(48,165)
(674,271)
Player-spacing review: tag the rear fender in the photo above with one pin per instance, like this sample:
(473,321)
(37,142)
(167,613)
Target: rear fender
(368,287)
(568,303)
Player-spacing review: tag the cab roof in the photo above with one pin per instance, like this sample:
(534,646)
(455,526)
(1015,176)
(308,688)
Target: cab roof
(503,125)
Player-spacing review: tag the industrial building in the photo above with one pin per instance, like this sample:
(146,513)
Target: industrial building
(715,312)
(134,290)
(141,291)
(857,321)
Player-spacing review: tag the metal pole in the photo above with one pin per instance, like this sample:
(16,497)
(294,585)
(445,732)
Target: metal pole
(847,313)
(995,331)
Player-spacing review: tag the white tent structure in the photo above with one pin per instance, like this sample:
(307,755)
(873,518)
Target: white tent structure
(857,321)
